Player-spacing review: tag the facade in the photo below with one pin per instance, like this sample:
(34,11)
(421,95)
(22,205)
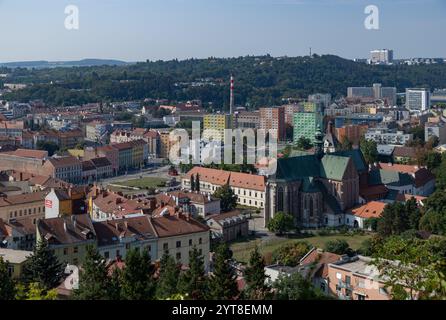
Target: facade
(290,111)
(31,205)
(64,168)
(381,56)
(65,202)
(116,237)
(198,204)
(356,279)
(435,130)
(165,144)
(273,119)
(112,155)
(317,188)
(306,125)
(352,133)
(23,160)
(418,99)
(178,234)
(388,137)
(16,260)
(375,92)
(247,120)
(249,188)
(215,124)
(69,237)
(320,98)
(228,226)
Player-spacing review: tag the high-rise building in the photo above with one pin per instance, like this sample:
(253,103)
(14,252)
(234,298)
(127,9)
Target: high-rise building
(382,56)
(290,110)
(306,124)
(273,118)
(418,99)
(246,119)
(216,123)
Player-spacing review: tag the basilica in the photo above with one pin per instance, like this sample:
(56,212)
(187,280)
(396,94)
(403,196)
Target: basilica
(316,188)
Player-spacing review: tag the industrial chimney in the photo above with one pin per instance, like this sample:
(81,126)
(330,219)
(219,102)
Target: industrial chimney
(231,101)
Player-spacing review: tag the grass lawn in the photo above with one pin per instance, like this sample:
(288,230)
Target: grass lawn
(242,250)
(147,182)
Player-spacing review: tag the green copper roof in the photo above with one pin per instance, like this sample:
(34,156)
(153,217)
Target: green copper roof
(334,167)
(297,168)
(390,178)
(357,157)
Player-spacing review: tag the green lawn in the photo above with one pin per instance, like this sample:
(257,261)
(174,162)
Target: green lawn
(147,182)
(242,250)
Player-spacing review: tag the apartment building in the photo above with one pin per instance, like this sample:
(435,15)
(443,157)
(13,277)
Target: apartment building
(418,99)
(388,137)
(214,125)
(352,133)
(109,152)
(306,124)
(246,120)
(30,205)
(273,118)
(64,168)
(356,279)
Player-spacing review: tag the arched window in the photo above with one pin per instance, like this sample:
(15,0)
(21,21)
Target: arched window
(311,208)
(280,199)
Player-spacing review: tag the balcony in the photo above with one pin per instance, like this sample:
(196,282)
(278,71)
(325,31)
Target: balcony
(344,285)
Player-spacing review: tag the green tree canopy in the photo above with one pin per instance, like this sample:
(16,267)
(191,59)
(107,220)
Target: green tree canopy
(137,276)
(168,277)
(290,254)
(255,276)
(222,283)
(228,199)
(281,223)
(193,281)
(7,286)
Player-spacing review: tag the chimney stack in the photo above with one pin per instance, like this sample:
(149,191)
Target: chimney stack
(231,102)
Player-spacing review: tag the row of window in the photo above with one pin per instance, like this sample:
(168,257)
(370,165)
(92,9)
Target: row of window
(178,244)
(24,212)
(250,202)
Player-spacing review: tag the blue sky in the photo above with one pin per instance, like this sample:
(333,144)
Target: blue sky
(135,30)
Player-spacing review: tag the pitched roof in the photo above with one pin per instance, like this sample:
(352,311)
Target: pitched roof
(320,260)
(372,209)
(64,161)
(28,153)
(110,231)
(214,176)
(408,152)
(71,230)
(24,198)
(173,225)
(390,178)
(334,167)
(421,175)
(15,256)
(101,162)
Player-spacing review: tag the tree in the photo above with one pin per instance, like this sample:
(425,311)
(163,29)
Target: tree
(433,160)
(338,246)
(280,223)
(369,150)
(7,288)
(193,280)
(434,221)
(43,267)
(398,218)
(94,282)
(410,267)
(295,287)
(290,254)
(49,146)
(228,199)
(136,277)
(304,143)
(168,277)
(222,283)
(197,183)
(192,183)
(255,276)
(36,292)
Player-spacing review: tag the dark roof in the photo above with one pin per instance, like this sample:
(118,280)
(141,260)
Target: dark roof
(296,168)
(101,162)
(389,178)
(88,166)
(67,230)
(357,156)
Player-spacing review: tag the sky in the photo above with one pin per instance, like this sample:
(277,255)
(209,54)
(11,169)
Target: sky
(137,30)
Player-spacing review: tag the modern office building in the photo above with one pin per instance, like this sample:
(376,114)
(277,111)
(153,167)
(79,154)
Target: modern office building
(306,124)
(418,99)
(381,56)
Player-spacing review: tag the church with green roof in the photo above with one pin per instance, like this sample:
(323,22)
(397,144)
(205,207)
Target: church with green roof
(316,188)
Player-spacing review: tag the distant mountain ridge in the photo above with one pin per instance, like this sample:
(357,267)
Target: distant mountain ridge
(41,64)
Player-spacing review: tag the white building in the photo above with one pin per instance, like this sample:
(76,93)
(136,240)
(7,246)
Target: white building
(418,99)
(381,56)
(388,137)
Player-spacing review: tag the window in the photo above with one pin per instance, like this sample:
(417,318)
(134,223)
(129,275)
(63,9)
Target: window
(149,248)
(118,253)
(106,254)
(383,291)
(200,241)
(166,246)
(178,255)
(75,250)
(190,242)
(361,297)
(127,246)
(65,251)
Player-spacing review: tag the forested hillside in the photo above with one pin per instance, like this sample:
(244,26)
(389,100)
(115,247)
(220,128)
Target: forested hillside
(263,80)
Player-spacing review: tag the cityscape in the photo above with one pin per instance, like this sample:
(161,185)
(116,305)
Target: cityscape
(252,178)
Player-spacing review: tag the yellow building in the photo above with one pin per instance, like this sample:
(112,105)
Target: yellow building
(215,124)
(165,144)
(30,205)
(15,260)
(65,202)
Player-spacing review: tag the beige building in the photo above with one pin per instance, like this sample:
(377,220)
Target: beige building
(249,188)
(15,260)
(30,205)
(228,226)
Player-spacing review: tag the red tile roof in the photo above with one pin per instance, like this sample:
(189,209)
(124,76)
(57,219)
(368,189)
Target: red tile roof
(372,209)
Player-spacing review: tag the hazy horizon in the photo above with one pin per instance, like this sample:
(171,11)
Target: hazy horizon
(138,30)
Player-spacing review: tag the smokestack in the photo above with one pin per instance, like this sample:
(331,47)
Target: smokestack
(231,102)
